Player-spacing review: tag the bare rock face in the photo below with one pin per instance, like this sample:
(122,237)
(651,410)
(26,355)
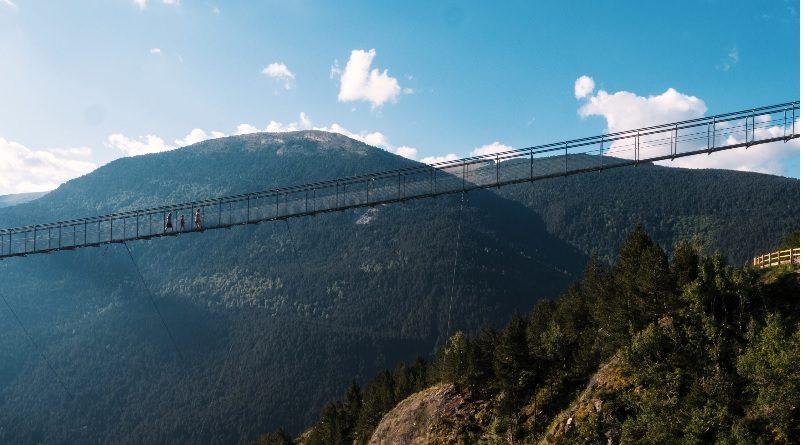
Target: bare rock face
(423,418)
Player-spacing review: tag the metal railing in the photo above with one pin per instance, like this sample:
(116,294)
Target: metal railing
(596,153)
(787,256)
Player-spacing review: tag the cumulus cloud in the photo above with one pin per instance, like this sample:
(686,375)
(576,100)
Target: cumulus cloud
(407,152)
(490,149)
(156,51)
(437,159)
(197,135)
(278,127)
(375,139)
(584,86)
(625,110)
(280,71)
(138,146)
(776,158)
(26,170)
(304,123)
(246,129)
(143,4)
(360,82)
(154,144)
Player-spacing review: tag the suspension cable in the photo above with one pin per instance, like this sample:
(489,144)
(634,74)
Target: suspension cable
(156,308)
(454,270)
(293,249)
(38,348)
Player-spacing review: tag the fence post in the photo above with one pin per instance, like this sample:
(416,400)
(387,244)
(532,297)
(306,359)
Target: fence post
(601,154)
(714,133)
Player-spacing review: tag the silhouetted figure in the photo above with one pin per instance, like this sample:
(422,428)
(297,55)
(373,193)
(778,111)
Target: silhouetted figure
(198,224)
(169,222)
(181,222)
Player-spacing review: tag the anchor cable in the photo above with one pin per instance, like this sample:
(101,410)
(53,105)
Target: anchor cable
(156,308)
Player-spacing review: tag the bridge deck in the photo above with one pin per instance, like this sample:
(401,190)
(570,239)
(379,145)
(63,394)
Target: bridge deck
(662,142)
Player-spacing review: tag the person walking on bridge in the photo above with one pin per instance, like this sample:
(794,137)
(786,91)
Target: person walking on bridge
(169,222)
(198,224)
(181,222)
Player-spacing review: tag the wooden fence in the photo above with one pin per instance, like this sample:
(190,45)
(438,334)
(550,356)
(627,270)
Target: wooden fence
(788,256)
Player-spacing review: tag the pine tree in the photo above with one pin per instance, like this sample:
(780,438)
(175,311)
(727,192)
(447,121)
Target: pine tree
(684,265)
(642,289)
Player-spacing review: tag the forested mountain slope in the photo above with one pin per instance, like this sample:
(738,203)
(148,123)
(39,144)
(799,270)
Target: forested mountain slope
(268,320)
(684,349)
(741,214)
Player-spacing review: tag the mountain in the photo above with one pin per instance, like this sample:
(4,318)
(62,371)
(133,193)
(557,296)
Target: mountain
(741,214)
(256,326)
(19,198)
(219,336)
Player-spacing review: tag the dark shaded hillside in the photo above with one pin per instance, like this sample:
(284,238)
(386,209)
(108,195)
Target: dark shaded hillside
(739,213)
(269,320)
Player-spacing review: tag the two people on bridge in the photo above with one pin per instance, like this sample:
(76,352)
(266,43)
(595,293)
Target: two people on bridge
(199,224)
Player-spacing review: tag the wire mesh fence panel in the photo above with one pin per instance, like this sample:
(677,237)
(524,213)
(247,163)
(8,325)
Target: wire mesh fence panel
(660,142)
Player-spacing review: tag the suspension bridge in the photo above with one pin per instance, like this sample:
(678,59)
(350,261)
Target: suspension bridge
(693,137)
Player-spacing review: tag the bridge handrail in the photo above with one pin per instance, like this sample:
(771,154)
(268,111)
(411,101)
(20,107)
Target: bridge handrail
(442,167)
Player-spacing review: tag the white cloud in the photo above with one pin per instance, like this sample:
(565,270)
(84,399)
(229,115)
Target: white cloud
(25,170)
(437,159)
(156,51)
(304,121)
(375,139)
(408,91)
(731,59)
(335,70)
(9,3)
(197,135)
(628,111)
(584,86)
(279,71)
(143,4)
(490,149)
(406,152)
(774,158)
(360,82)
(69,152)
(624,110)
(246,129)
(278,127)
(138,146)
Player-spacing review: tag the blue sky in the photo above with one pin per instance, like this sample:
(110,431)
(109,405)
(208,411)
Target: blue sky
(86,82)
